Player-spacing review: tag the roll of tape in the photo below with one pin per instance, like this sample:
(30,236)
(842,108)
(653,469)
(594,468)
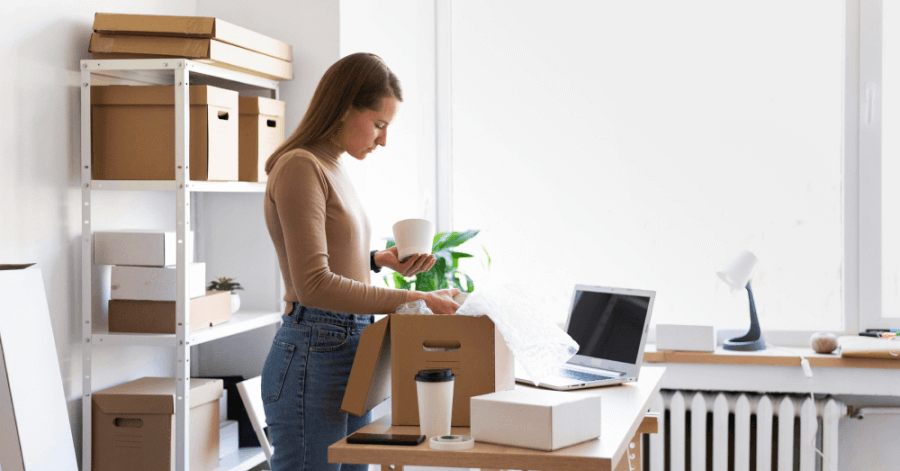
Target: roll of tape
(451,442)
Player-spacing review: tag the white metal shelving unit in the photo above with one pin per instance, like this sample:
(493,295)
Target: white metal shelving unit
(180,73)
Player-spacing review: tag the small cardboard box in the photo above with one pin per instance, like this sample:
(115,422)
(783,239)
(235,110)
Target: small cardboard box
(158,317)
(154,283)
(133,133)
(392,350)
(133,425)
(192,27)
(139,248)
(261,132)
(209,51)
(692,338)
(536,418)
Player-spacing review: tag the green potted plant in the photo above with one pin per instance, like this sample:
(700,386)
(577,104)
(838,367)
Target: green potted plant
(227,284)
(445,273)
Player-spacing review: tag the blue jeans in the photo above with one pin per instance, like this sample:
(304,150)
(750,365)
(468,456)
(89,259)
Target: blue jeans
(303,383)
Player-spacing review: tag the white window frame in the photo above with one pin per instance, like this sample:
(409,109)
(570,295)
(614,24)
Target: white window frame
(869,96)
(861,161)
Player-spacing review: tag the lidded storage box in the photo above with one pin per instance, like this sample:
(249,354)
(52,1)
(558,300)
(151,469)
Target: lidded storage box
(133,425)
(133,133)
(261,132)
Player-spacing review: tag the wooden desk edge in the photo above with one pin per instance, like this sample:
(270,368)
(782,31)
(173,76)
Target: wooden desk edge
(781,358)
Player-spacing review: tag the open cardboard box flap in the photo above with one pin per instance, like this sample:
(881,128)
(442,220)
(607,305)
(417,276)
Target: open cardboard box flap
(394,349)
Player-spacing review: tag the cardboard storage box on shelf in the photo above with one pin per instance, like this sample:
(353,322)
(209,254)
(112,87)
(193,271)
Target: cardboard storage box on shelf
(158,317)
(209,51)
(133,425)
(392,350)
(191,27)
(536,418)
(154,283)
(261,132)
(133,133)
(139,248)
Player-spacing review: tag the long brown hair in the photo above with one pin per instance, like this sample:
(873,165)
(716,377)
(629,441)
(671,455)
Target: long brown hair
(360,80)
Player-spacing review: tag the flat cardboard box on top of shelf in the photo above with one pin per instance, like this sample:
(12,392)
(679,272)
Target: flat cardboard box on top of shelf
(139,248)
(142,412)
(207,51)
(154,283)
(133,133)
(158,317)
(261,132)
(192,27)
(392,350)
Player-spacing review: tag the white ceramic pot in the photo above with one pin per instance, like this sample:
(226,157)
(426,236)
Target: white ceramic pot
(235,302)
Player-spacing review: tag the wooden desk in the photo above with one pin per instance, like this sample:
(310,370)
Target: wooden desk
(623,418)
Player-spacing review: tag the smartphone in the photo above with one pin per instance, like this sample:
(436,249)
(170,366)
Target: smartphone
(385,439)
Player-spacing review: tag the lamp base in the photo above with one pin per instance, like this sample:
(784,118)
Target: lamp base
(745,345)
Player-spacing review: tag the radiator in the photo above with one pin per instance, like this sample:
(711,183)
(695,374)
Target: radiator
(742,432)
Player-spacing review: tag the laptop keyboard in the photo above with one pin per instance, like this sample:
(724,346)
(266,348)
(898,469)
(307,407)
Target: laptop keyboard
(580,376)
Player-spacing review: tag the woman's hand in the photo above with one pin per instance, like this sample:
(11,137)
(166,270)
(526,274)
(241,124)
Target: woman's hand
(417,263)
(440,302)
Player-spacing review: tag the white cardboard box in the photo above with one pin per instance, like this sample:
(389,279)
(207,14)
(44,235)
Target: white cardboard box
(691,338)
(154,283)
(535,418)
(228,437)
(138,248)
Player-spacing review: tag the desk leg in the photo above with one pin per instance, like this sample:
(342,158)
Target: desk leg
(634,449)
(392,467)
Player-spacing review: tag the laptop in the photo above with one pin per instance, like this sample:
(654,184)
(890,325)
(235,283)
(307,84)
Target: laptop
(610,326)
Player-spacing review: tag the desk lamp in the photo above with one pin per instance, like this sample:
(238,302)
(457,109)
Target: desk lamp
(737,274)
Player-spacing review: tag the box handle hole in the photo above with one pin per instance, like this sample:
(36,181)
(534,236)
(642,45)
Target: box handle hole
(223,115)
(129,423)
(441,345)
(270,123)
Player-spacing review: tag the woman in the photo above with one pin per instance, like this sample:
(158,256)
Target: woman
(321,235)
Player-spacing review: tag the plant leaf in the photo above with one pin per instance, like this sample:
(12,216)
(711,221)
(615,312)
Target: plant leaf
(438,242)
(458,238)
(488,256)
(390,243)
(445,256)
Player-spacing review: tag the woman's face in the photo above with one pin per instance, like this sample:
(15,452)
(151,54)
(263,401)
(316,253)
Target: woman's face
(364,129)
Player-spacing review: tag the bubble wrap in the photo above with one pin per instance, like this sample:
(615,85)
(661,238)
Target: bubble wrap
(537,343)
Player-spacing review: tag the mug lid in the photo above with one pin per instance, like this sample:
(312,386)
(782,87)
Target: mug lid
(435,376)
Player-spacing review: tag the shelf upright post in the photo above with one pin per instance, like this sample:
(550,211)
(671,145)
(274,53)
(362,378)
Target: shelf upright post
(86,267)
(182,293)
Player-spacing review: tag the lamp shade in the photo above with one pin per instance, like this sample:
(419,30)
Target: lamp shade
(738,272)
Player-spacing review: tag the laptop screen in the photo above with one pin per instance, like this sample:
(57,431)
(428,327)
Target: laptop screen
(608,326)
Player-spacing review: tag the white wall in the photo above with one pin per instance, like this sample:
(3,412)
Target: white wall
(40,200)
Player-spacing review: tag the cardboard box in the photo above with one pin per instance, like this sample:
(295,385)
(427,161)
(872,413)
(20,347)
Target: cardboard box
(228,437)
(133,133)
(208,51)
(692,338)
(392,350)
(192,27)
(154,283)
(158,317)
(139,248)
(261,132)
(536,418)
(133,425)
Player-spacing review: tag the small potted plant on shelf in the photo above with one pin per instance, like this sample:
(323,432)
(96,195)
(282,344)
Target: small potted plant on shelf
(227,284)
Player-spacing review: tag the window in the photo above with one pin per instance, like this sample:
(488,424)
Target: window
(644,144)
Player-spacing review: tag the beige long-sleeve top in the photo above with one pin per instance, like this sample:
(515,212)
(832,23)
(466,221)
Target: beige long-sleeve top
(321,235)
